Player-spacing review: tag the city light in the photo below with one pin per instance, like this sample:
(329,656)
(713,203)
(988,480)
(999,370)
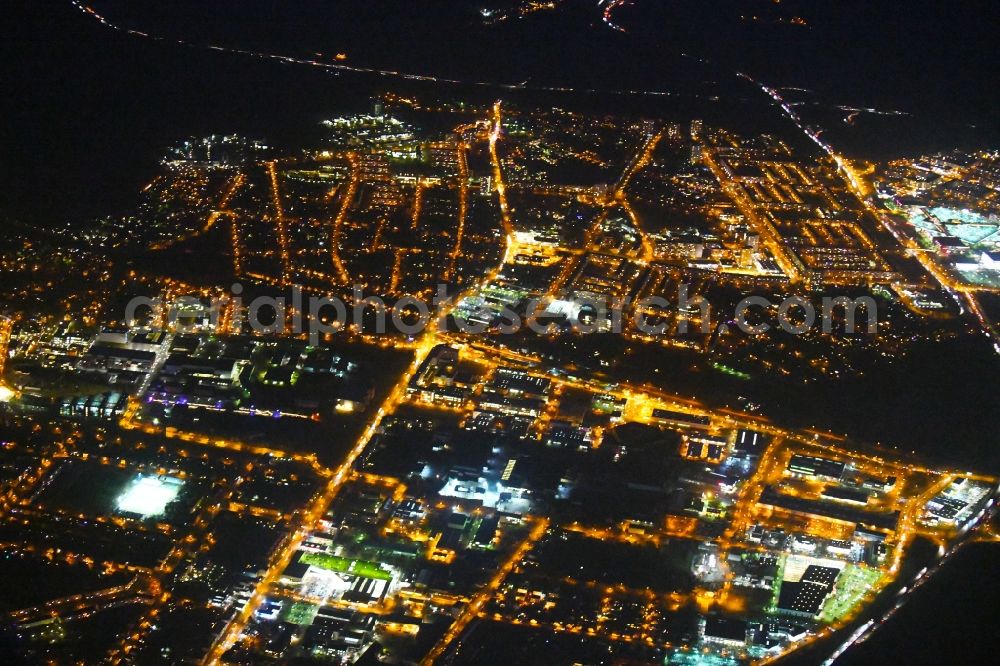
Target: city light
(148,496)
(420,355)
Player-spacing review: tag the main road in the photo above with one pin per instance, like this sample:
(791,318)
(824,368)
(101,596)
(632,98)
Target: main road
(307,520)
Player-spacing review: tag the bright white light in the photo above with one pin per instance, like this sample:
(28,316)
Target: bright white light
(6,394)
(148,496)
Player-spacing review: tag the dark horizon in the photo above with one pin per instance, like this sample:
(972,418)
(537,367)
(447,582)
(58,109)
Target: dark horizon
(96,92)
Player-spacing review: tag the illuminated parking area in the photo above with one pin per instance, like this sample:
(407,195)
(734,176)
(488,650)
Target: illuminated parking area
(148,495)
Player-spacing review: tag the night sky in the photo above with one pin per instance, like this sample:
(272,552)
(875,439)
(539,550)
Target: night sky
(89,109)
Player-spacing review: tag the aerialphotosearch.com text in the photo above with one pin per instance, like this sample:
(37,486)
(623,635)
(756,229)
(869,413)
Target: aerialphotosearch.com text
(316,316)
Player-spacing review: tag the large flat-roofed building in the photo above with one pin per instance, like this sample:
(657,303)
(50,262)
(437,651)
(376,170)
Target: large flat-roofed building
(815,466)
(750,441)
(443,395)
(492,401)
(201,368)
(519,383)
(694,420)
(113,335)
(108,358)
(728,632)
(841,512)
(805,597)
(849,495)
